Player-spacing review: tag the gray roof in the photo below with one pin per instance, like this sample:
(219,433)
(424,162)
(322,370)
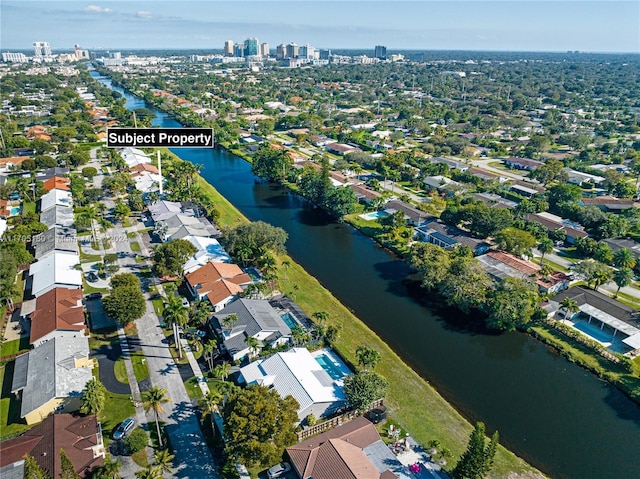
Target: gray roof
(254,316)
(618,243)
(180,225)
(56,238)
(161,210)
(13,471)
(495,201)
(452,235)
(411,212)
(384,460)
(51,372)
(48,173)
(57,216)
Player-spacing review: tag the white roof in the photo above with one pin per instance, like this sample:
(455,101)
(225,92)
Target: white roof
(55,269)
(3,226)
(134,156)
(147,182)
(56,197)
(209,249)
(297,373)
(633,341)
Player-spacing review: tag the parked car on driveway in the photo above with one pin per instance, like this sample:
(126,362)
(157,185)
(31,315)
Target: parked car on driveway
(92,277)
(124,429)
(94,296)
(278,470)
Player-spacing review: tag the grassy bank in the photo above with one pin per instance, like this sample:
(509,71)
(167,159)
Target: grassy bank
(415,404)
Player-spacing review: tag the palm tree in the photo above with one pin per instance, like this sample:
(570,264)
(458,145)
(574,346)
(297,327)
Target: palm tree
(209,405)
(623,258)
(177,315)
(545,270)
(200,312)
(299,335)
(267,264)
(222,370)
(320,318)
(91,213)
(150,472)
(253,345)
(601,277)
(153,399)
(623,277)
(570,306)
(196,342)
(109,470)
(286,263)
(229,320)
(545,246)
(208,350)
(163,460)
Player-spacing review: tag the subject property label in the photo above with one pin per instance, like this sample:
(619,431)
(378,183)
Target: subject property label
(160,137)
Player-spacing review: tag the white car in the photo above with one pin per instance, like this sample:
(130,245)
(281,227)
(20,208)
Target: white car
(278,470)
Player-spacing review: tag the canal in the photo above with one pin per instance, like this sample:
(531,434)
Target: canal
(557,416)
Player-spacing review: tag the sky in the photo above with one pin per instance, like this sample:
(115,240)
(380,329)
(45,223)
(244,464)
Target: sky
(514,25)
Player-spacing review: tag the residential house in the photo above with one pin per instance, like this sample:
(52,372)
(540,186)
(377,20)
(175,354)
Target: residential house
(413,215)
(500,265)
(163,209)
(614,321)
(486,175)
(578,177)
(56,197)
(297,373)
(554,283)
(522,163)
(5,209)
(61,216)
(617,244)
(57,269)
(79,436)
(365,195)
(208,250)
(553,223)
(52,376)
(147,177)
(609,204)
(495,201)
(257,319)
(452,164)
(525,191)
(180,225)
(352,450)
(59,312)
(340,149)
(49,173)
(55,239)
(442,183)
(8,164)
(220,283)
(134,156)
(57,182)
(449,237)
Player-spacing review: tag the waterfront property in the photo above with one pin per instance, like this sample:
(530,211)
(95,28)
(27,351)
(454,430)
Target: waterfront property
(315,380)
(220,283)
(600,317)
(374,215)
(449,237)
(354,449)
(500,265)
(256,318)
(79,436)
(413,215)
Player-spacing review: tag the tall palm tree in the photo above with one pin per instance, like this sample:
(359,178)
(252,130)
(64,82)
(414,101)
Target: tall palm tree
(569,305)
(601,277)
(209,405)
(253,345)
(163,460)
(208,349)
(545,246)
(109,470)
(222,370)
(90,213)
(200,312)
(229,320)
(153,399)
(623,277)
(177,315)
(623,258)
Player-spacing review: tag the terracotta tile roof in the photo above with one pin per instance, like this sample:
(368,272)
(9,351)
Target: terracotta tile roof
(522,265)
(4,209)
(365,192)
(337,454)
(76,435)
(142,167)
(223,289)
(57,182)
(59,308)
(14,160)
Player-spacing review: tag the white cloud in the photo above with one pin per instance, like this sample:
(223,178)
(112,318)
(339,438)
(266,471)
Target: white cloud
(144,14)
(97,9)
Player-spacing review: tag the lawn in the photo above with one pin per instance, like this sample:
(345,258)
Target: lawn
(135,246)
(117,408)
(28,207)
(89,258)
(17,298)
(11,424)
(88,289)
(140,368)
(12,347)
(417,407)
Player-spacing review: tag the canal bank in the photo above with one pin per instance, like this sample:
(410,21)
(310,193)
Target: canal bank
(554,414)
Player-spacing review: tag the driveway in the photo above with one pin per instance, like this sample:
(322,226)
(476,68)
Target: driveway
(107,357)
(99,319)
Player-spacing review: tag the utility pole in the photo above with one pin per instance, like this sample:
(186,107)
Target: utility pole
(160,172)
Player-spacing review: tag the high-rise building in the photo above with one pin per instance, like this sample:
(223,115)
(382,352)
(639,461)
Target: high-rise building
(238,50)
(41,50)
(251,47)
(10,57)
(307,51)
(292,50)
(228,48)
(380,52)
(325,54)
(281,51)
(264,49)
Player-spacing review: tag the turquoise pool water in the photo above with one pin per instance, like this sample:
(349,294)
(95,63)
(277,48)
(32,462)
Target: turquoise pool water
(374,215)
(289,321)
(14,210)
(330,367)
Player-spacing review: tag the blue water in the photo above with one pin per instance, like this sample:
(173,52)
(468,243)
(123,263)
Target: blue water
(14,210)
(327,364)
(374,215)
(289,321)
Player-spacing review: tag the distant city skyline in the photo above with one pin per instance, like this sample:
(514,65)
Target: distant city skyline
(515,25)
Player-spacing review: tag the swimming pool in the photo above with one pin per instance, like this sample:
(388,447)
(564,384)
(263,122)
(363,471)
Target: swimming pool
(289,320)
(15,210)
(374,215)
(335,368)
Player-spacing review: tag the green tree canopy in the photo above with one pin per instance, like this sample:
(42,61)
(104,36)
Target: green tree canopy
(432,262)
(94,396)
(124,304)
(368,358)
(169,258)
(364,387)
(511,304)
(259,424)
(477,460)
(271,163)
(515,241)
(248,241)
